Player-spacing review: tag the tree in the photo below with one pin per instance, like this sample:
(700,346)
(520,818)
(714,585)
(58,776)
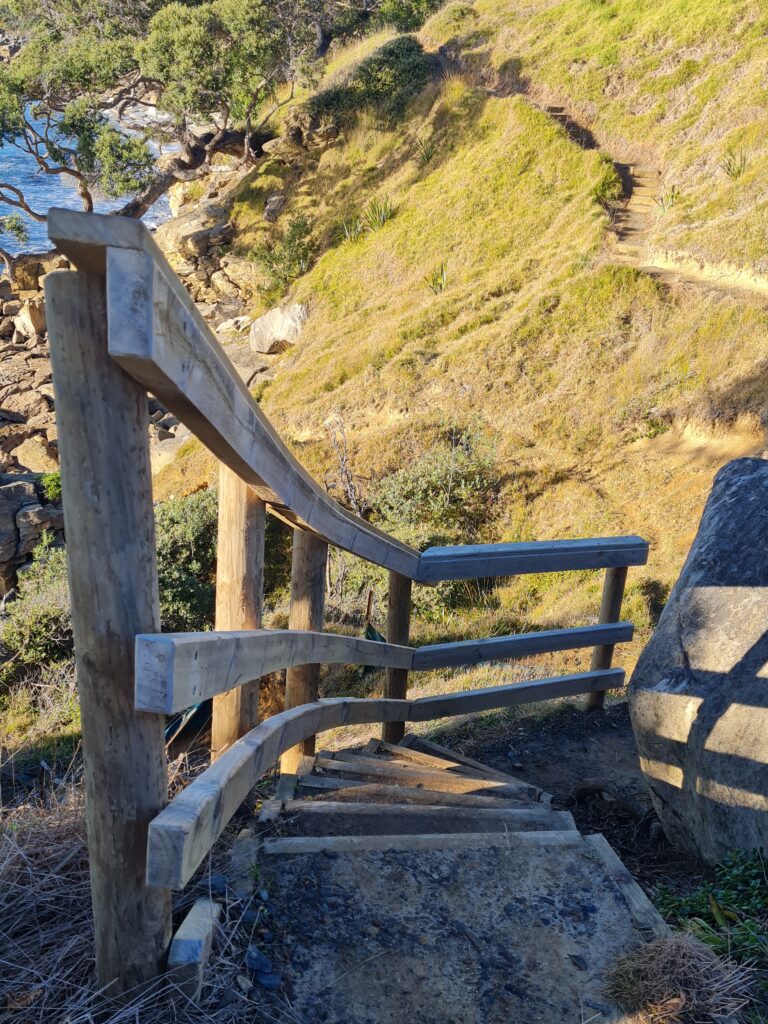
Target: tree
(65,99)
(11,226)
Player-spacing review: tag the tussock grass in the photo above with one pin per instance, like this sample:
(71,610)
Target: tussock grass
(679,979)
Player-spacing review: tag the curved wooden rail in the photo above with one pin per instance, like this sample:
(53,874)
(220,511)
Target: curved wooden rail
(177,670)
(183,833)
(158,336)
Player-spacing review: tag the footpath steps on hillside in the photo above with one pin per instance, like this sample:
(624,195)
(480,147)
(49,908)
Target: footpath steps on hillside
(408,883)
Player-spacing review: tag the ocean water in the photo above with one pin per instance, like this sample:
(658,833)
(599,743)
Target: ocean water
(45,190)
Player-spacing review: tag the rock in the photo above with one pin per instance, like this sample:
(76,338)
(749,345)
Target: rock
(238,323)
(222,285)
(277,329)
(26,404)
(32,521)
(190,234)
(34,456)
(256,960)
(698,694)
(6,327)
(6,289)
(12,307)
(25,274)
(274,205)
(31,320)
(271,982)
(243,273)
(221,234)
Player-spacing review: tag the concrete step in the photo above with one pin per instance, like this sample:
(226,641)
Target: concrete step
(478,928)
(326,818)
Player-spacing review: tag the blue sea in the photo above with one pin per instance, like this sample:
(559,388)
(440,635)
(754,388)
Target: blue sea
(45,190)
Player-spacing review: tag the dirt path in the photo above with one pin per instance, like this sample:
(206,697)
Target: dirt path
(634,218)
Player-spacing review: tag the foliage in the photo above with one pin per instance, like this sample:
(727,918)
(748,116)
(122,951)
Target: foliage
(289,256)
(406,15)
(729,911)
(351,230)
(13,226)
(51,485)
(425,150)
(378,212)
(734,163)
(445,495)
(38,629)
(186,561)
(384,84)
(437,279)
(667,200)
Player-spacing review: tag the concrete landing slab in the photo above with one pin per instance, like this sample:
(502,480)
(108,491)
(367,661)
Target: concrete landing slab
(481,932)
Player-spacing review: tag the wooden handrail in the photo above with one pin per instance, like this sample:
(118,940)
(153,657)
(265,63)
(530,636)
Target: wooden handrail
(177,670)
(158,336)
(184,831)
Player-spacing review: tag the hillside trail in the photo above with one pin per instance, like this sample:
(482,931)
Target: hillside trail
(633,220)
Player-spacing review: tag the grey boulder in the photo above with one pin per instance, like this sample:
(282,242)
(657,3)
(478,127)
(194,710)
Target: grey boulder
(278,328)
(699,694)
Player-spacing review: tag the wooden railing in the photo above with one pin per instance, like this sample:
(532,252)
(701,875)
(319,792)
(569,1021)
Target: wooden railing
(123,325)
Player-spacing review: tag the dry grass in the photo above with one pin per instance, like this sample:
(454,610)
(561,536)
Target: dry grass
(679,979)
(46,934)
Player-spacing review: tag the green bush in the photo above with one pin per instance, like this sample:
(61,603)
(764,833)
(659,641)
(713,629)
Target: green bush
(445,496)
(288,257)
(406,15)
(51,485)
(728,911)
(186,561)
(383,84)
(38,628)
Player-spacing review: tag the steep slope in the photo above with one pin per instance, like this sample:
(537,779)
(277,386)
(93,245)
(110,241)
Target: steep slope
(492,301)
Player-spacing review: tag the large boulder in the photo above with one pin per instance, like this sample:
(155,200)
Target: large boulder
(699,694)
(192,233)
(278,328)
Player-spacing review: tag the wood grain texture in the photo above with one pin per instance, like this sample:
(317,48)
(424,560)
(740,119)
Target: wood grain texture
(426,709)
(175,355)
(610,611)
(239,598)
(522,645)
(177,670)
(476,561)
(309,564)
(183,833)
(398,629)
(107,494)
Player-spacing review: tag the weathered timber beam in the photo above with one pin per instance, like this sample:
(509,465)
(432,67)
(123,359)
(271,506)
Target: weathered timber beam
(522,645)
(176,670)
(184,831)
(477,561)
(182,834)
(426,709)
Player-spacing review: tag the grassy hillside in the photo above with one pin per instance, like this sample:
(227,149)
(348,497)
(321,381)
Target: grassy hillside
(487,306)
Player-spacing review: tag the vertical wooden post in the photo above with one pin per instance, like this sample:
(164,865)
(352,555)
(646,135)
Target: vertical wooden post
(239,597)
(610,611)
(398,626)
(308,568)
(103,426)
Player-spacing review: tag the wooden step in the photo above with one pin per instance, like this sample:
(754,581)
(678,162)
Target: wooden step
(432,764)
(424,778)
(412,755)
(356,790)
(325,818)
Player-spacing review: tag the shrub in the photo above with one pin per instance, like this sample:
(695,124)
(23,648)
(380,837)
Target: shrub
(378,212)
(351,230)
(425,150)
(669,199)
(38,628)
(445,495)
(406,15)
(383,84)
(186,561)
(289,256)
(51,485)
